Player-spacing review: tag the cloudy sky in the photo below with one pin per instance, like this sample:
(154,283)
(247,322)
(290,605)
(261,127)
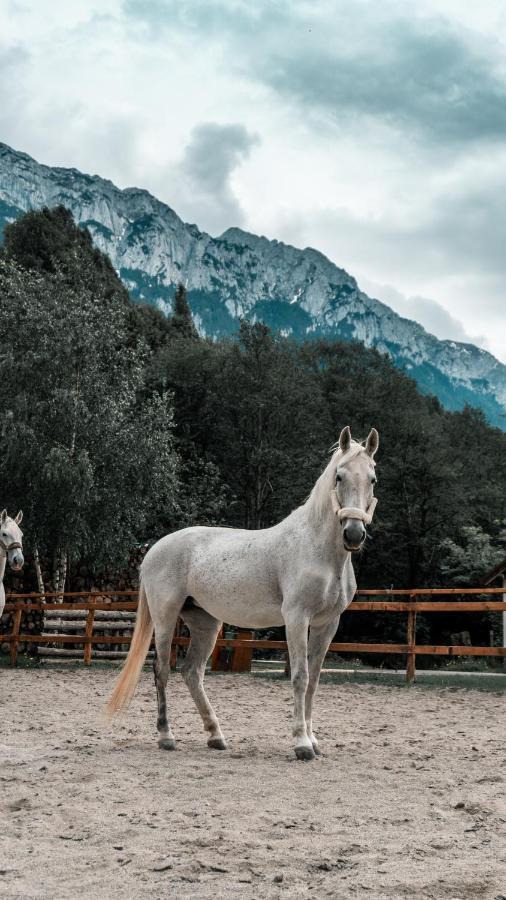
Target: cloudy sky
(375,132)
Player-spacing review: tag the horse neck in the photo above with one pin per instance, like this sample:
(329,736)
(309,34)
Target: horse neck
(327,536)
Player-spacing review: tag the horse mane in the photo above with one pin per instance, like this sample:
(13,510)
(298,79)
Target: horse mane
(319,499)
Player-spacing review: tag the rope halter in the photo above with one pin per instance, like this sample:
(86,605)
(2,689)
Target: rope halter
(352,512)
(14,545)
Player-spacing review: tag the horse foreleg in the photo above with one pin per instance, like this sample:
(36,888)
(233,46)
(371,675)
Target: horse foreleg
(296,637)
(320,637)
(204,631)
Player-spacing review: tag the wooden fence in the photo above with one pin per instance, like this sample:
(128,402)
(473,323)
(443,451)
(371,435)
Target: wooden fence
(390,601)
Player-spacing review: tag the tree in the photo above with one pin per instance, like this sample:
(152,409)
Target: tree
(182,321)
(49,241)
(474,552)
(266,430)
(96,468)
(188,369)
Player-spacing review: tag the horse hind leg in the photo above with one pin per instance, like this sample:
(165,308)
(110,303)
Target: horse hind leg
(161,667)
(204,631)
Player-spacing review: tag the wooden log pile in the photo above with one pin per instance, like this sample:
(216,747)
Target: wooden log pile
(74,622)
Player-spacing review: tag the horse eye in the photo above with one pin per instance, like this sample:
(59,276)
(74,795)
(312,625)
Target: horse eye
(373,479)
(338,477)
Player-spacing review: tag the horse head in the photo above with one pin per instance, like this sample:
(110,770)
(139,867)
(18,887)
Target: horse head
(352,496)
(11,540)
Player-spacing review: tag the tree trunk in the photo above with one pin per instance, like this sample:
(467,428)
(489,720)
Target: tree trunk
(38,572)
(63,573)
(59,573)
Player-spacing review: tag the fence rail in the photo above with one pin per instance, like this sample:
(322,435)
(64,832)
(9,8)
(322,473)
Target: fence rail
(244,646)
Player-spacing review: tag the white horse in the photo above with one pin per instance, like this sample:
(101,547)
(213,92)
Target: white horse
(11,548)
(297,573)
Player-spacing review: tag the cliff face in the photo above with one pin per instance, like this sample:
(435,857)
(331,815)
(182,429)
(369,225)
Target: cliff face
(297,292)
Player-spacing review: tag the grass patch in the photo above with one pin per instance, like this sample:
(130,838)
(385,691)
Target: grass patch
(426,680)
(34,662)
(24,662)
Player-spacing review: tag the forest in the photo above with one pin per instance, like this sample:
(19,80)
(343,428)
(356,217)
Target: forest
(119,424)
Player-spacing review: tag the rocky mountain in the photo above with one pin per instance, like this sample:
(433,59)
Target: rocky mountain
(300,293)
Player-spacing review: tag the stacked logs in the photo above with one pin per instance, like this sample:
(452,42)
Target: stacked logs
(110,623)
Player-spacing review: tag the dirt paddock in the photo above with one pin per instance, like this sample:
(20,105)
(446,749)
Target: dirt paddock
(408,801)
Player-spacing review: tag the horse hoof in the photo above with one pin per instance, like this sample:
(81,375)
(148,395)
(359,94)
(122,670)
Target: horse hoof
(316,750)
(167,744)
(305,753)
(216,743)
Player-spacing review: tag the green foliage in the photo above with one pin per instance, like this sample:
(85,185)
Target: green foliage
(48,241)
(267,428)
(95,469)
(247,406)
(39,239)
(468,556)
(181,321)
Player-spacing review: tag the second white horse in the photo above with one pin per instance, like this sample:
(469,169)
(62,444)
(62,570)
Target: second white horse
(11,548)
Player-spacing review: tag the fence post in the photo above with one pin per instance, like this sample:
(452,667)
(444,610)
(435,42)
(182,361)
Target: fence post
(411,642)
(242,656)
(215,655)
(15,635)
(174,647)
(90,619)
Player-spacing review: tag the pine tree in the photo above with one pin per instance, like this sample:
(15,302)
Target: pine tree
(182,321)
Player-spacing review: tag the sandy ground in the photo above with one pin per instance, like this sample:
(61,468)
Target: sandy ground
(408,801)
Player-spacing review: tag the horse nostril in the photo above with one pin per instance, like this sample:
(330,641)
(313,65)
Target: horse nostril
(354,533)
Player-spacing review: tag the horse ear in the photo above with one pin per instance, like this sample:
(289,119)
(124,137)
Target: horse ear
(372,442)
(345,439)
(19,517)
(3,517)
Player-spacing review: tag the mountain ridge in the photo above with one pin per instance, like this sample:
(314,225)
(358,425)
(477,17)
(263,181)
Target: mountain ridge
(300,293)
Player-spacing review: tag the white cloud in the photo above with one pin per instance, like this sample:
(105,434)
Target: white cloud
(375,132)
(432,315)
(201,181)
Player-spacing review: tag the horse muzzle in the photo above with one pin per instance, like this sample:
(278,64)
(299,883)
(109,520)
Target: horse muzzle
(353,535)
(15,557)
(354,520)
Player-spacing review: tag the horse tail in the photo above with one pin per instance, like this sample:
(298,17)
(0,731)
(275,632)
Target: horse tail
(129,675)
